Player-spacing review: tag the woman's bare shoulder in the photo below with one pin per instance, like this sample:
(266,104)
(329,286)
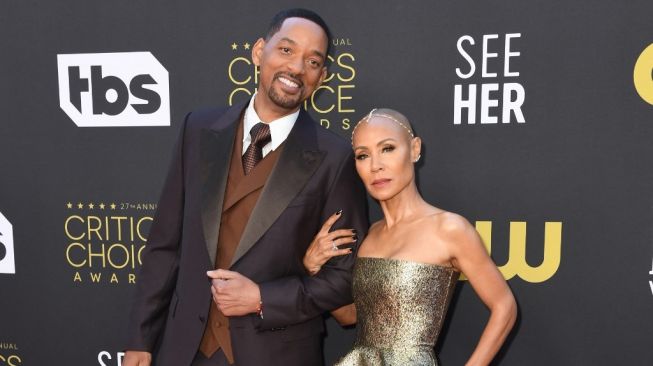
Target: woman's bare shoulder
(449,226)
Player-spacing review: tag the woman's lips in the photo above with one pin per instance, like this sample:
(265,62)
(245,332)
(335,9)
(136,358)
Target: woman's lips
(381,182)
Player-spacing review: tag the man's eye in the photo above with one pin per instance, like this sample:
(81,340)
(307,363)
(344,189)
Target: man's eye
(285,49)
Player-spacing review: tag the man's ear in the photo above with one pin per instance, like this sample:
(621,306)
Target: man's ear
(257,50)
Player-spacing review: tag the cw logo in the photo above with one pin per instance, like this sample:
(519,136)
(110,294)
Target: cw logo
(643,74)
(517,264)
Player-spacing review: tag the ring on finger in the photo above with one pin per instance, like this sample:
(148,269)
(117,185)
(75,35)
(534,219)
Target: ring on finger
(333,245)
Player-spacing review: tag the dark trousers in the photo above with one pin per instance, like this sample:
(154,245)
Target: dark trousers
(218,359)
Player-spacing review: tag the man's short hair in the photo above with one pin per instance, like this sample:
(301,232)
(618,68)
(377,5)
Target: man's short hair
(279,18)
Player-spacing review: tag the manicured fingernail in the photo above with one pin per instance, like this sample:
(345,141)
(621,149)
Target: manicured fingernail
(339,212)
(354,231)
(355,237)
(349,251)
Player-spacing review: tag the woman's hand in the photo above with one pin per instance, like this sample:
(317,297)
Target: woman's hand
(326,245)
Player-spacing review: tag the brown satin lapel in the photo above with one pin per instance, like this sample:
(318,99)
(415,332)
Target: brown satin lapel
(298,160)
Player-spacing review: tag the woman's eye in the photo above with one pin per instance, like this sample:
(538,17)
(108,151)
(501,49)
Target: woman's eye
(361,156)
(387,149)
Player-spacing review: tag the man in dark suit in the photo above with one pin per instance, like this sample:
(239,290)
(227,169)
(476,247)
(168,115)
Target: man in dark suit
(222,280)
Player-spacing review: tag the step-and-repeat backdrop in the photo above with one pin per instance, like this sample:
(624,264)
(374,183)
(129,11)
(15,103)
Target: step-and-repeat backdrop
(537,118)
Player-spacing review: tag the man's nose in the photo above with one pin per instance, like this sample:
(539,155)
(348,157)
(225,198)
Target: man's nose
(296,65)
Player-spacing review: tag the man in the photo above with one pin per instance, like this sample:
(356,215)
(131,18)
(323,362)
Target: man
(222,280)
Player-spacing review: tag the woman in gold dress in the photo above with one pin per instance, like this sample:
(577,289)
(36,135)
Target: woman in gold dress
(410,261)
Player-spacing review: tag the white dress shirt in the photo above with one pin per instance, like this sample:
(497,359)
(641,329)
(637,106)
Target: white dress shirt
(279,128)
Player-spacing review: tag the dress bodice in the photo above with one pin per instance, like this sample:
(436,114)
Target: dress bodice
(400,308)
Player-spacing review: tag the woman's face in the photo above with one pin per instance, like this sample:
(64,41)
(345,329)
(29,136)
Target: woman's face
(384,153)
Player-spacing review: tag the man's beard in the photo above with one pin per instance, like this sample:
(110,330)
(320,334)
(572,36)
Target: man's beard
(285,102)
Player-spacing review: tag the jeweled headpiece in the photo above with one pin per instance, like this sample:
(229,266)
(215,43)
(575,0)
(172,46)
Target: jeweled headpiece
(372,114)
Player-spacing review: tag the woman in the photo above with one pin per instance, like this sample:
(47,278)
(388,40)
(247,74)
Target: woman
(410,261)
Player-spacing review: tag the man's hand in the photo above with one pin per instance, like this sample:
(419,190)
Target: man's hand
(137,358)
(233,293)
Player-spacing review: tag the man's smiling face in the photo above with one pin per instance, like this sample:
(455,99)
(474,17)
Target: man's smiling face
(292,65)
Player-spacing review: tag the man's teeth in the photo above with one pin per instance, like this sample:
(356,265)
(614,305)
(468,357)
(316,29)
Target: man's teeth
(289,83)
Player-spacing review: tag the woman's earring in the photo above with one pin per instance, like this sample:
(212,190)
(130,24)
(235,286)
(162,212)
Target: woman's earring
(418,156)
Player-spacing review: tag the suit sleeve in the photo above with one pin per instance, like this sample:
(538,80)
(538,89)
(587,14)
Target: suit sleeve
(296,299)
(158,273)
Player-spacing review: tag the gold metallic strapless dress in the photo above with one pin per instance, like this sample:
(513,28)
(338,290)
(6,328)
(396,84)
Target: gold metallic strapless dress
(400,308)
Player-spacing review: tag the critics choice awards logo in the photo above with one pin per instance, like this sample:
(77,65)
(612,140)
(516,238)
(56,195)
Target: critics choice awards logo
(105,241)
(9,354)
(332,103)
(7,263)
(114,89)
(489,91)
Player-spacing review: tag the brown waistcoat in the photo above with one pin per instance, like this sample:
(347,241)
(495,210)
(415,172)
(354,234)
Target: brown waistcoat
(240,197)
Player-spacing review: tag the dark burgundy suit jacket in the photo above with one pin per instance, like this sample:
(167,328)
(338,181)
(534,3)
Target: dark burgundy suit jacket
(313,178)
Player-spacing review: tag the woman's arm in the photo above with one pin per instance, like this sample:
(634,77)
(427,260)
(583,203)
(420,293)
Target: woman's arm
(321,250)
(470,257)
(345,315)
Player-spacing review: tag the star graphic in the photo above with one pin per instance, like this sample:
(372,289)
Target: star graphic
(234,46)
(69,205)
(101,206)
(113,206)
(80,206)
(91,205)
(246,45)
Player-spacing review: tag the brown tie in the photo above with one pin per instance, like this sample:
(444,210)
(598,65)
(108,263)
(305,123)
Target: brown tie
(260,135)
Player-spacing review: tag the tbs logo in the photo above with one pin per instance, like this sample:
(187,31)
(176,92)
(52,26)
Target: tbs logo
(114,89)
(7,264)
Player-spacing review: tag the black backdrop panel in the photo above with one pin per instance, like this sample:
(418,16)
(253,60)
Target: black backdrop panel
(554,171)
